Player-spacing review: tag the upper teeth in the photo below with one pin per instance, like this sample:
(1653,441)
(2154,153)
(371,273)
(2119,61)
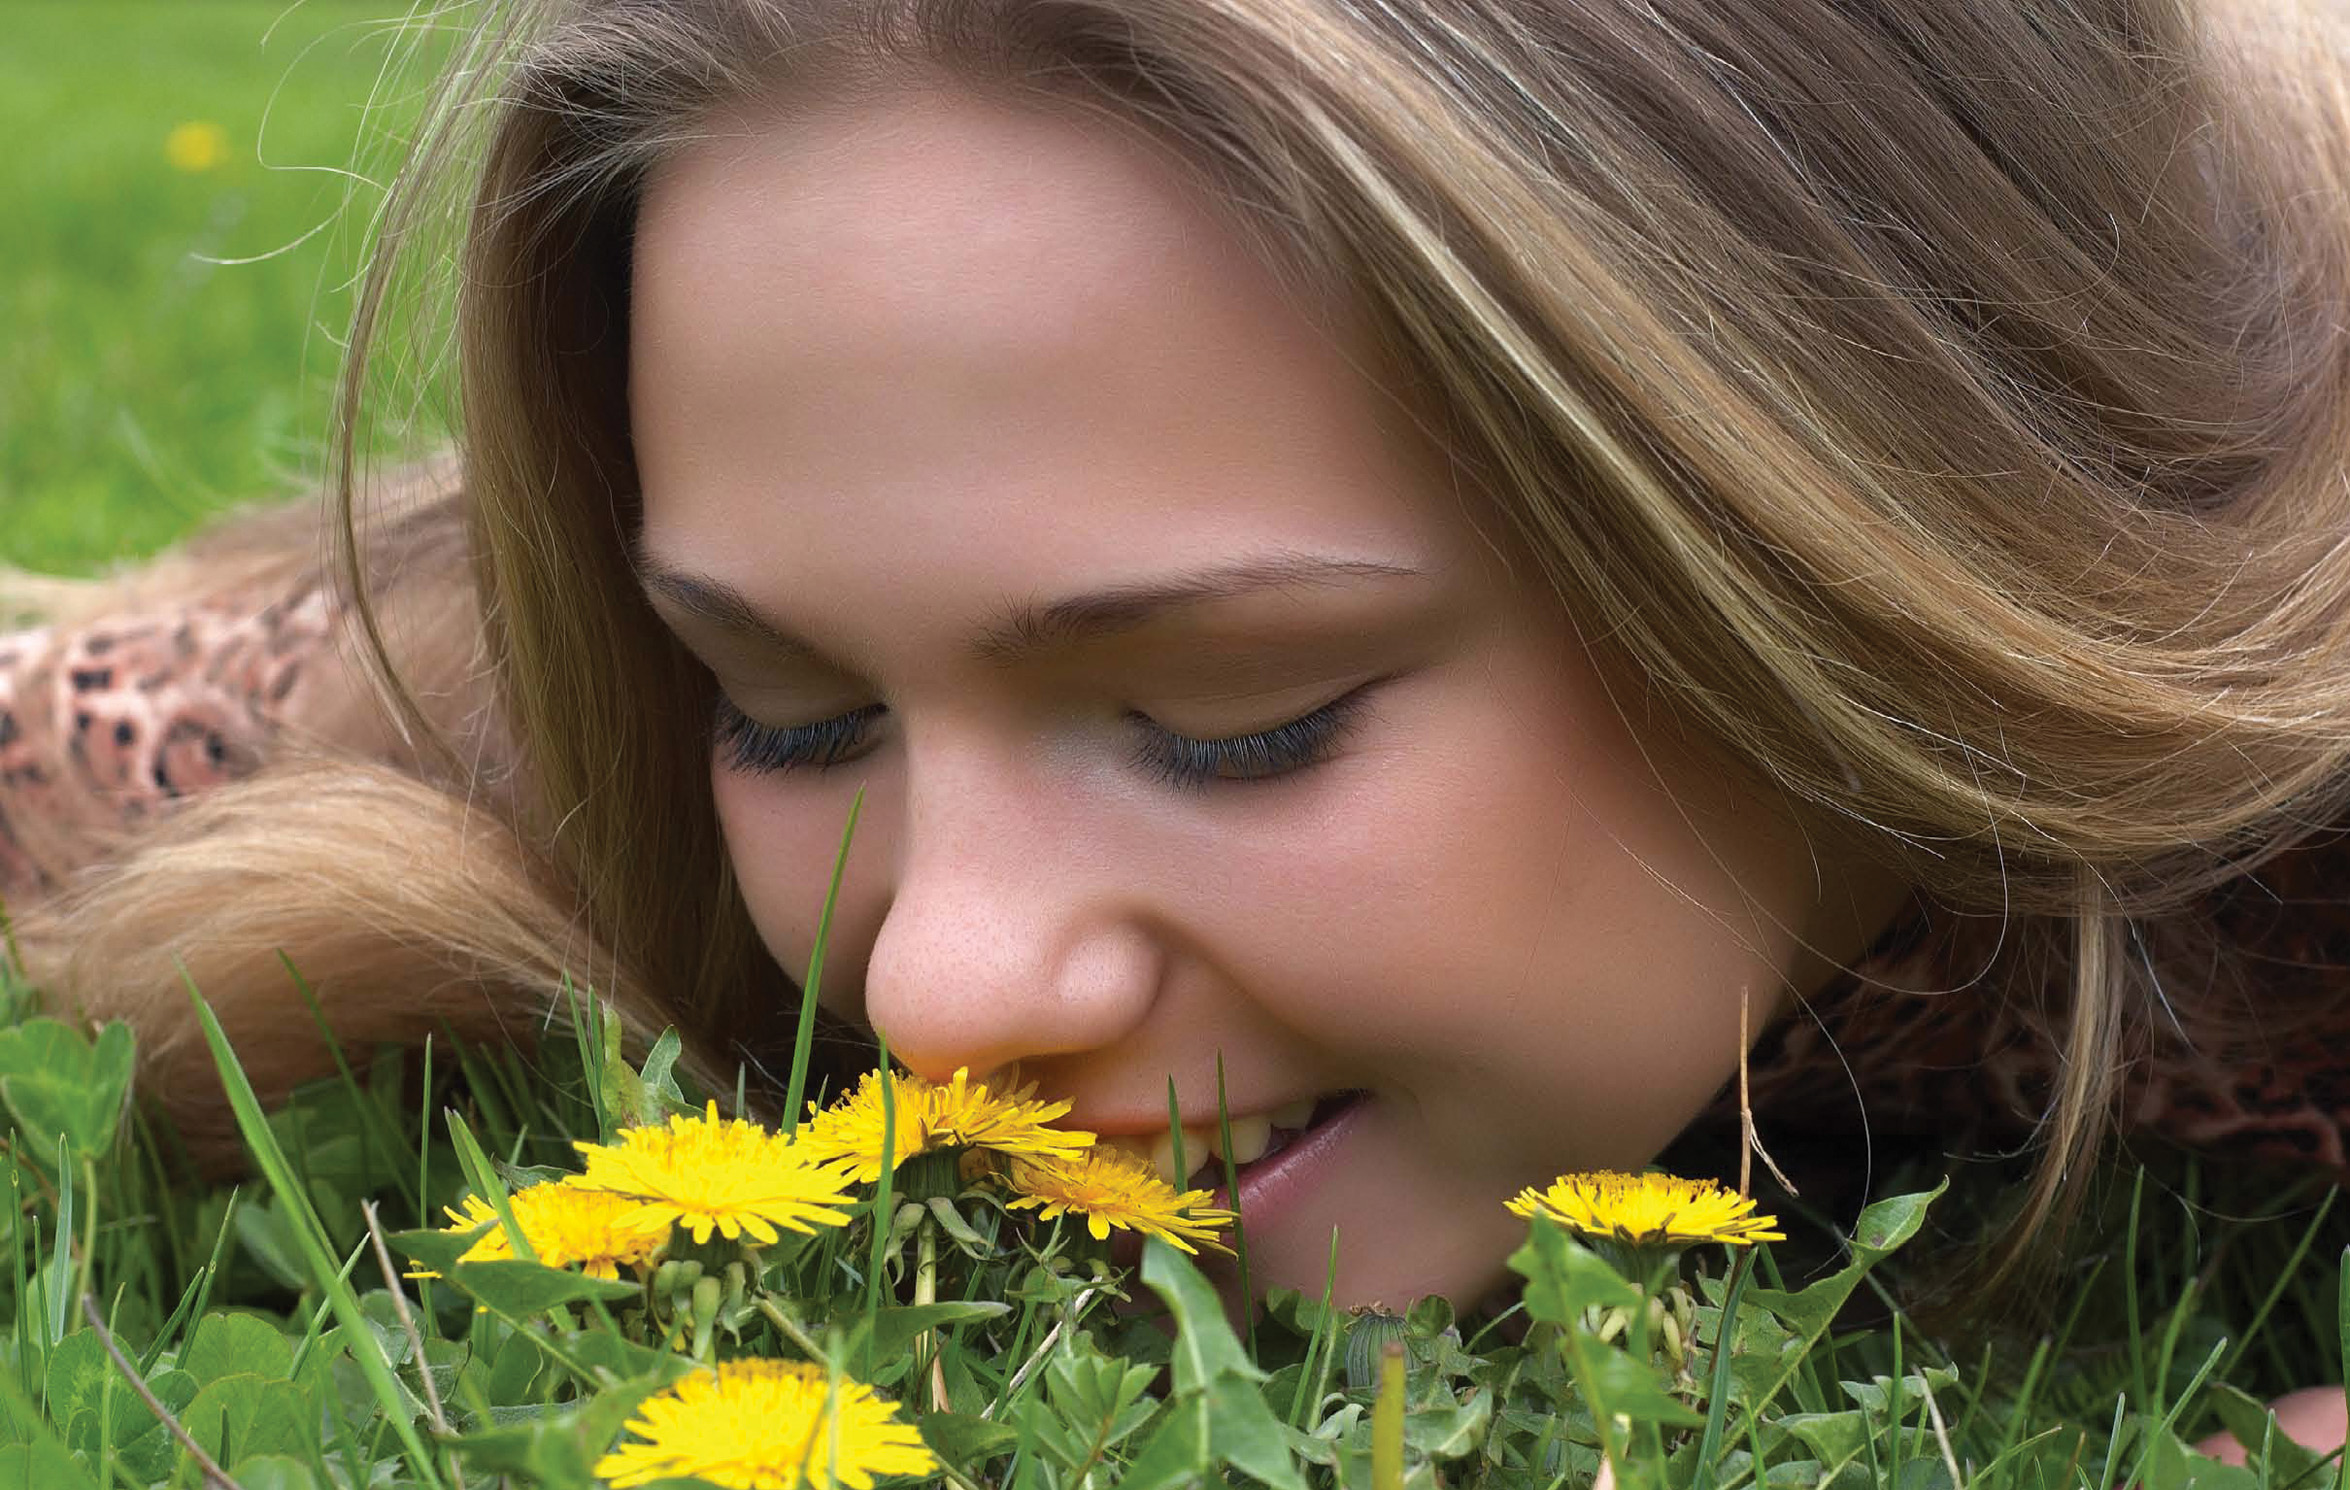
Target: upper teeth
(1295,1115)
(1252,1137)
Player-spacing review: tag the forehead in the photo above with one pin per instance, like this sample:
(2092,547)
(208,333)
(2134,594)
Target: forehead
(914,328)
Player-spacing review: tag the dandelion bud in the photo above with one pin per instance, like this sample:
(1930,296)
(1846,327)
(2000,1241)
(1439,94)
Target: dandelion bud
(1613,1323)
(1669,1333)
(1366,1339)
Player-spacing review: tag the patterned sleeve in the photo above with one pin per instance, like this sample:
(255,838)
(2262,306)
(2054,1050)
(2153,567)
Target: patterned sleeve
(105,721)
(2240,1048)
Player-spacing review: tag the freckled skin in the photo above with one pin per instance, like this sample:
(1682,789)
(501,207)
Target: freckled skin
(906,361)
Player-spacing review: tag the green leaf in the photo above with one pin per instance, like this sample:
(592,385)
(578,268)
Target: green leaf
(1244,1433)
(895,1328)
(559,1451)
(233,1344)
(1835,1437)
(43,1464)
(266,1232)
(1205,1347)
(55,1082)
(77,1372)
(2249,1421)
(964,1441)
(1449,1430)
(659,1079)
(627,1360)
(235,1417)
(1631,1388)
(622,1092)
(437,1251)
(2171,1465)
(1564,1277)
(147,1448)
(273,1472)
(1175,1455)
(520,1289)
(514,1368)
(1881,1228)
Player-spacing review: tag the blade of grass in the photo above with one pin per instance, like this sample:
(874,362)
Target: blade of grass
(374,1132)
(810,987)
(2162,1426)
(2141,1386)
(309,1235)
(587,1034)
(2021,1412)
(483,1177)
(27,1358)
(424,1171)
(2276,1290)
(1248,1304)
(199,1292)
(1175,1135)
(1717,1403)
(2342,1333)
(1314,1374)
(60,1280)
(882,1199)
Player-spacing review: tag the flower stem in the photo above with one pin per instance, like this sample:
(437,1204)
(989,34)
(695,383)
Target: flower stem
(926,1292)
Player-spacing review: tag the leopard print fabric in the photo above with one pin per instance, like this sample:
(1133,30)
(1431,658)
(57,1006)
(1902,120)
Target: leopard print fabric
(109,723)
(2257,1070)
(105,724)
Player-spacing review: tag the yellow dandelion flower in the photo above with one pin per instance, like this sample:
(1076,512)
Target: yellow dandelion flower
(850,1130)
(1110,1187)
(199,145)
(958,1114)
(707,1173)
(566,1226)
(766,1425)
(1648,1209)
(1013,1123)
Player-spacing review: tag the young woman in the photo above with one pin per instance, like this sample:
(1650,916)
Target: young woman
(1450,557)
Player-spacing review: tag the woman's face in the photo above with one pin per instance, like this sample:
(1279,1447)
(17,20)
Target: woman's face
(1195,714)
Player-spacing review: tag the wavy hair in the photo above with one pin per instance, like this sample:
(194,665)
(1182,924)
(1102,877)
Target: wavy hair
(1946,404)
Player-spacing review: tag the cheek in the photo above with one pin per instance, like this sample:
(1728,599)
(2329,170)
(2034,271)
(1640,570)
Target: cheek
(782,837)
(1518,902)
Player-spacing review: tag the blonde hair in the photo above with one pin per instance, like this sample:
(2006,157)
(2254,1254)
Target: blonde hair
(1945,404)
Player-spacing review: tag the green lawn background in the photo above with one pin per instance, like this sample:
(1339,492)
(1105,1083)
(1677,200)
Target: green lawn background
(142,388)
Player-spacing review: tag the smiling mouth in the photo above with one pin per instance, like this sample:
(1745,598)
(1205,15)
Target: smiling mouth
(1255,1138)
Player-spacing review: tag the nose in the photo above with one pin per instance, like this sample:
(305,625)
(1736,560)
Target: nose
(1010,933)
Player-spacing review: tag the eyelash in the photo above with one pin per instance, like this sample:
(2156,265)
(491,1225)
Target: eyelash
(1177,760)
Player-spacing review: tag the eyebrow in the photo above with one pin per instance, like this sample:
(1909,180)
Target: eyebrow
(1028,629)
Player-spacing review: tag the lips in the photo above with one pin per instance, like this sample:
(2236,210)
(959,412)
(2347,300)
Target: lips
(1294,1158)
(1267,1186)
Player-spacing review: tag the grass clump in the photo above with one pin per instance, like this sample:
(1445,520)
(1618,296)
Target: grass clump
(374,1310)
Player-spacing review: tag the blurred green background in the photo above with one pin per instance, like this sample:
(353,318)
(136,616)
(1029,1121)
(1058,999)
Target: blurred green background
(142,387)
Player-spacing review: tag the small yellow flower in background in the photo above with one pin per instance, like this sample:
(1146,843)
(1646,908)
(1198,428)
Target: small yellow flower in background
(1648,1209)
(764,1425)
(565,1225)
(199,145)
(959,1114)
(707,1173)
(1110,1187)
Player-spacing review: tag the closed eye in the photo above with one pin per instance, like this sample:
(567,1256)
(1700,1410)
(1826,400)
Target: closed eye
(1176,759)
